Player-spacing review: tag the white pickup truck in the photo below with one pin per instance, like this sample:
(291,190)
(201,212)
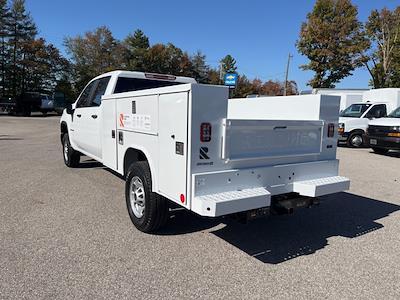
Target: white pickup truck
(181,143)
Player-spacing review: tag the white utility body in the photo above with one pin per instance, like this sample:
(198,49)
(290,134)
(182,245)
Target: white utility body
(354,120)
(204,152)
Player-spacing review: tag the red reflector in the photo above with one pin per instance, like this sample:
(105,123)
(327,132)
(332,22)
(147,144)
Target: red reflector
(205,132)
(182,198)
(331,130)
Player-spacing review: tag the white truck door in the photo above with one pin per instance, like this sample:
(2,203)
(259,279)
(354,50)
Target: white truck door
(90,118)
(173,139)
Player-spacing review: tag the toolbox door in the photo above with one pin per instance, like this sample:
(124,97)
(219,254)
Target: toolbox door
(109,140)
(173,111)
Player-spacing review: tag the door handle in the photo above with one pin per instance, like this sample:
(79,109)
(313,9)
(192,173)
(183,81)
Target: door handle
(79,116)
(94,116)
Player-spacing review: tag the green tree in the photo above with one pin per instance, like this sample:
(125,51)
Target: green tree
(228,64)
(21,31)
(333,41)
(94,53)
(4,34)
(383,60)
(136,46)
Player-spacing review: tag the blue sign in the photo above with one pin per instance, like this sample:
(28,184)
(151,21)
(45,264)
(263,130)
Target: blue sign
(230,79)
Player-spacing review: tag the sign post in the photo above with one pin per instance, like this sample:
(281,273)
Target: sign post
(230,80)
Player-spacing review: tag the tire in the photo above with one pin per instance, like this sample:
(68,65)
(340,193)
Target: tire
(70,155)
(380,150)
(355,140)
(148,211)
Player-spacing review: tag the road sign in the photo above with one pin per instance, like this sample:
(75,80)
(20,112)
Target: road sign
(230,79)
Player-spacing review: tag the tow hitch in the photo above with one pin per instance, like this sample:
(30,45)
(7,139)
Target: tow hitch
(285,204)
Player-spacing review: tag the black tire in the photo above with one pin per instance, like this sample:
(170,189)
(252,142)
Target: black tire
(70,155)
(156,210)
(355,140)
(26,112)
(380,150)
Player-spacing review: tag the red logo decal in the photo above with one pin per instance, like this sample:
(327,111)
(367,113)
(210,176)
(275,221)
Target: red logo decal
(121,120)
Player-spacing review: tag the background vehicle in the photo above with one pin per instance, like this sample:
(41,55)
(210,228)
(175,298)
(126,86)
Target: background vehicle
(384,134)
(347,96)
(28,102)
(354,120)
(184,143)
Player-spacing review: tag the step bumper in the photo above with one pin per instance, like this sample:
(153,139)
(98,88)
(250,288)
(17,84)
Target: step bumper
(225,203)
(321,186)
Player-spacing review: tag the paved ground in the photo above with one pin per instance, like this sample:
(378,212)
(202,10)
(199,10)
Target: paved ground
(65,233)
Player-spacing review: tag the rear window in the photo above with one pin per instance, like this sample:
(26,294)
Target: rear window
(125,84)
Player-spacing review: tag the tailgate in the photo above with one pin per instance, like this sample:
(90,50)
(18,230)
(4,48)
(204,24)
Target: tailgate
(252,139)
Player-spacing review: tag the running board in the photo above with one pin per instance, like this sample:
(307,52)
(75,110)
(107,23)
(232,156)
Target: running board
(219,204)
(321,186)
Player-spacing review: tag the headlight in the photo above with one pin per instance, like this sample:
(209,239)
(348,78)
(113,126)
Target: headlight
(395,128)
(341,128)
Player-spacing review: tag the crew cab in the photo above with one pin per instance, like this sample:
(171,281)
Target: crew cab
(179,143)
(384,134)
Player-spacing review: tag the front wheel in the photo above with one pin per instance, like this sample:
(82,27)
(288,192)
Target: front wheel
(147,210)
(355,140)
(380,150)
(71,156)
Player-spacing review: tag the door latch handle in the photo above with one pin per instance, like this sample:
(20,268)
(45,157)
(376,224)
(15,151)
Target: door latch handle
(113,134)
(79,116)
(94,116)
(173,136)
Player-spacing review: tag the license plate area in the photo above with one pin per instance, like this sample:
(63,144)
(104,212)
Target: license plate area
(373,141)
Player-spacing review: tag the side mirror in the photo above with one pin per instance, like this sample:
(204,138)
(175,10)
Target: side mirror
(69,109)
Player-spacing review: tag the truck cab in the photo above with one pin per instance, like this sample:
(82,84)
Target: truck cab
(353,121)
(85,121)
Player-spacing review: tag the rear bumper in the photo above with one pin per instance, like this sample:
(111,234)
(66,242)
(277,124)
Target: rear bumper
(385,142)
(226,192)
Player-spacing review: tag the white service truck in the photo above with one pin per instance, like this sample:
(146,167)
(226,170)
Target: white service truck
(177,142)
(354,120)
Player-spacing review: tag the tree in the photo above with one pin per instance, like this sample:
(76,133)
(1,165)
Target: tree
(94,53)
(4,26)
(383,30)
(333,41)
(228,64)
(21,31)
(200,68)
(136,46)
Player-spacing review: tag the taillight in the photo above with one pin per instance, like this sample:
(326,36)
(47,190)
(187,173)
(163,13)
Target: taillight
(205,132)
(331,130)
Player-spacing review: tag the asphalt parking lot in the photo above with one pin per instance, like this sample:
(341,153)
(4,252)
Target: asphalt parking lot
(65,233)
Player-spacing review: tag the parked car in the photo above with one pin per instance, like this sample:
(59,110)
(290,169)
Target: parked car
(28,102)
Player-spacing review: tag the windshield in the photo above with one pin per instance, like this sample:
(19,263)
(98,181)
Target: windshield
(355,110)
(395,113)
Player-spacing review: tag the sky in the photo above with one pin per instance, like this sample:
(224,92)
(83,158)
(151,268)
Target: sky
(258,34)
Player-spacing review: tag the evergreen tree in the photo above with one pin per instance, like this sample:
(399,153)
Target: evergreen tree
(200,68)
(228,64)
(136,46)
(22,31)
(4,26)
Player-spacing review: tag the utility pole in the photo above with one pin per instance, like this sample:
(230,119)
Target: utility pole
(287,74)
(221,75)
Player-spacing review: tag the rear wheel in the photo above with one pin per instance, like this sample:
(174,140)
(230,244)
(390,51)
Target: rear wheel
(71,156)
(355,140)
(380,150)
(147,210)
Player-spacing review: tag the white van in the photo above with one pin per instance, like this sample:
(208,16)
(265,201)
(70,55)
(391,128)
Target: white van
(354,120)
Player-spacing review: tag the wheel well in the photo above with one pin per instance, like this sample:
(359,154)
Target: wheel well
(360,131)
(63,130)
(131,156)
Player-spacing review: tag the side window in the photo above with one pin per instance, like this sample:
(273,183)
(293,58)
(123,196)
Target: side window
(377,111)
(99,91)
(83,100)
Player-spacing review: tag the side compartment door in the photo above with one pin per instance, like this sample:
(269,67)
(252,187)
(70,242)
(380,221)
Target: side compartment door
(173,145)
(109,139)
